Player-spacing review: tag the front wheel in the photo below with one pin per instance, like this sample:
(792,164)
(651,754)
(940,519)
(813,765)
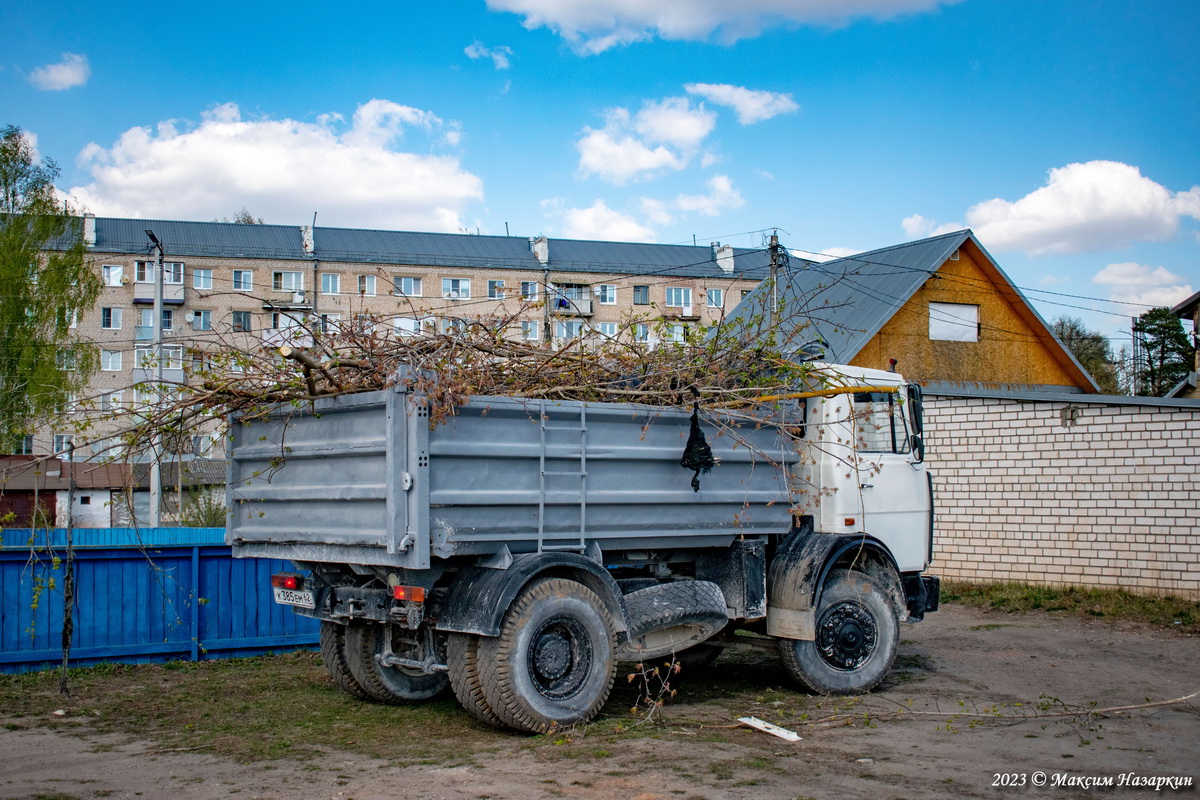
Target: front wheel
(857,635)
(395,685)
(554,660)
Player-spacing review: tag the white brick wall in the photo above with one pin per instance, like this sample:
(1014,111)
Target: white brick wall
(1112,500)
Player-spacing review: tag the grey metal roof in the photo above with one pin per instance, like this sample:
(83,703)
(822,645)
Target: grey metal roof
(845,302)
(183,239)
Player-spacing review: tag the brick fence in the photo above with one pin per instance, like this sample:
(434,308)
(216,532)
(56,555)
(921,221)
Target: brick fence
(1067,489)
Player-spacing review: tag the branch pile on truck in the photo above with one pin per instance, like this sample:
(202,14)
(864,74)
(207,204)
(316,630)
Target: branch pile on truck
(515,550)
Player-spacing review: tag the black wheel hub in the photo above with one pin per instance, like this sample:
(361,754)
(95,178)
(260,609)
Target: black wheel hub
(846,636)
(560,658)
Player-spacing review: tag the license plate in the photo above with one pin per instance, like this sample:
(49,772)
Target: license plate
(291,597)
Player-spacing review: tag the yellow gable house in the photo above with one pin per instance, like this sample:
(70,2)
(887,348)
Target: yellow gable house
(941,308)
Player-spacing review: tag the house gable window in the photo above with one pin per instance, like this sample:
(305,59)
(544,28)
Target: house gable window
(953,322)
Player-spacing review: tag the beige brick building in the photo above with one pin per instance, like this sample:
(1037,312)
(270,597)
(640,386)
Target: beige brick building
(242,287)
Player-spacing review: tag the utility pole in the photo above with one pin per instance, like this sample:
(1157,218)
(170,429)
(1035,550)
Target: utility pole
(156,451)
(774,310)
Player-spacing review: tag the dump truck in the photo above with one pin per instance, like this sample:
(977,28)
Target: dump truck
(514,550)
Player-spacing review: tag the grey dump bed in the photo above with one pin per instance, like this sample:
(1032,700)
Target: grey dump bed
(365,478)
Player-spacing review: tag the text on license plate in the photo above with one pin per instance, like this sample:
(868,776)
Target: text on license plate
(292,597)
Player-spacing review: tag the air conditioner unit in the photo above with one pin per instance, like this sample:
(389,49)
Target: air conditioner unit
(298,297)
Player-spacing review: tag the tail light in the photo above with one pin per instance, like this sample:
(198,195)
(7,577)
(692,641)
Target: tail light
(287,580)
(415,594)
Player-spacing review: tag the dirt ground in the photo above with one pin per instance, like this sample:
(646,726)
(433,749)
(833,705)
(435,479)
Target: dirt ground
(959,661)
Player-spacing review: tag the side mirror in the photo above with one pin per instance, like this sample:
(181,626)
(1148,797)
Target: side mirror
(918,447)
(916,407)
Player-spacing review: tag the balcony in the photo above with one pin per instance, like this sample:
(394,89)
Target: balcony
(295,337)
(684,314)
(172,293)
(572,306)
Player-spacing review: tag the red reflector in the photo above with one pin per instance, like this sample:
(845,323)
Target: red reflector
(286,580)
(849,522)
(415,594)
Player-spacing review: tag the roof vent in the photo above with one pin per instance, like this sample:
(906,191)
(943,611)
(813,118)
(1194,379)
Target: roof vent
(723,255)
(540,247)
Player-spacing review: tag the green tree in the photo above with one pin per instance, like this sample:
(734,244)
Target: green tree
(1165,354)
(1091,349)
(46,284)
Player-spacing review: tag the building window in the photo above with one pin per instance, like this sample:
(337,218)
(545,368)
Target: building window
(202,446)
(172,272)
(451,326)
(641,332)
(201,320)
(110,360)
(641,295)
(331,283)
(328,323)
(953,322)
(24,445)
(202,279)
(679,297)
(168,319)
(406,326)
(495,290)
(64,445)
(172,357)
(110,400)
(241,321)
(529,290)
(608,329)
(675,333)
(110,319)
(607,293)
(112,274)
(287,281)
(407,286)
(529,330)
(456,288)
(568,330)
(716,298)
(243,280)
(65,360)
(366,285)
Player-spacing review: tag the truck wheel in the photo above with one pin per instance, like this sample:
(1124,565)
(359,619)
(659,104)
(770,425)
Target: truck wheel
(333,654)
(857,634)
(671,617)
(462,656)
(553,662)
(395,685)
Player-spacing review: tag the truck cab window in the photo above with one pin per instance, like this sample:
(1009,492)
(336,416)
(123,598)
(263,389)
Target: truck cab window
(879,423)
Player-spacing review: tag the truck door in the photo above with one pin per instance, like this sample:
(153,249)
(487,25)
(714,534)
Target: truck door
(891,477)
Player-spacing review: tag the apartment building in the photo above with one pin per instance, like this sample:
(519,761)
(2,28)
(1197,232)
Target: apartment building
(228,286)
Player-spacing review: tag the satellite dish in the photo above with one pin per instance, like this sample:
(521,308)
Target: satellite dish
(189,316)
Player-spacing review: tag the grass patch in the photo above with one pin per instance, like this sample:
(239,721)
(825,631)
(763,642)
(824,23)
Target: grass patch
(1115,604)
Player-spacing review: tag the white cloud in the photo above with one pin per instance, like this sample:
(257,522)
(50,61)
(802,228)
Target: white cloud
(593,26)
(499,55)
(1131,282)
(721,195)
(750,105)
(918,227)
(827,254)
(662,136)
(600,222)
(1088,207)
(72,71)
(283,170)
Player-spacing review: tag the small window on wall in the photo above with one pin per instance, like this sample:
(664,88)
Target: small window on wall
(953,322)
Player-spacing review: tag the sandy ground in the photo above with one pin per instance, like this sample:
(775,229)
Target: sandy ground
(958,660)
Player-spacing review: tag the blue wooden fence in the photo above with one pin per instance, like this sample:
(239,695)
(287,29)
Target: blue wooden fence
(140,596)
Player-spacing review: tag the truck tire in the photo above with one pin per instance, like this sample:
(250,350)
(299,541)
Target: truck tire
(857,635)
(394,685)
(462,656)
(333,654)
(554,661)
(671,617)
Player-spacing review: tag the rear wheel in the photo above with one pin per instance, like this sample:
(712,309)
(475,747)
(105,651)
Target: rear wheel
(396,685)
(333,655)
(857,635)
(553,662)
(462,656)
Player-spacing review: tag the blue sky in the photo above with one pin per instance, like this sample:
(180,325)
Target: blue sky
(1064,133)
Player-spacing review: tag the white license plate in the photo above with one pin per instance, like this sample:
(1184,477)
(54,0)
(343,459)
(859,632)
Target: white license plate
(291,597)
